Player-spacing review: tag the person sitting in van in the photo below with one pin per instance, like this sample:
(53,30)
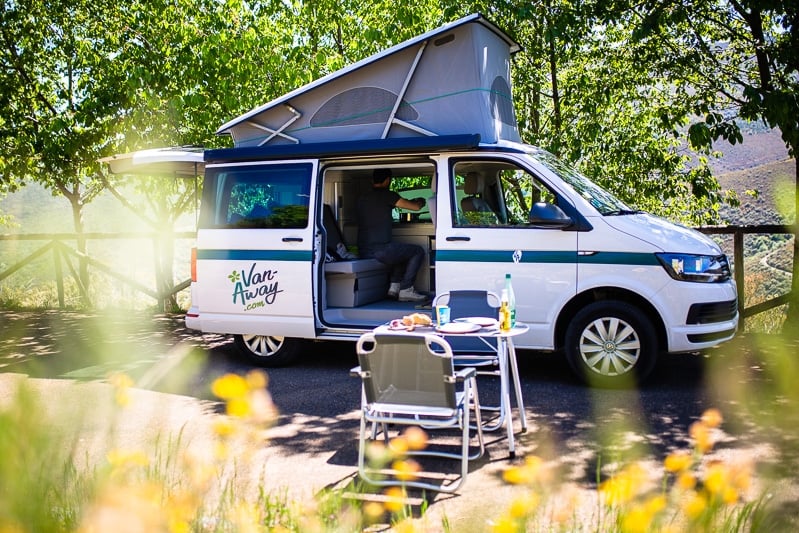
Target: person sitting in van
(374,236)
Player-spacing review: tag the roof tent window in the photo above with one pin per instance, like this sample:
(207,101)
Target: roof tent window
(362,105)
(502,101)
(258,196)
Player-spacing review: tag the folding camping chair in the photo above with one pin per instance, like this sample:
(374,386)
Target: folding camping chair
(470,352)
(409,380)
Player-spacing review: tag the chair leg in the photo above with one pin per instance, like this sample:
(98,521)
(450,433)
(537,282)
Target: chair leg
(478,422)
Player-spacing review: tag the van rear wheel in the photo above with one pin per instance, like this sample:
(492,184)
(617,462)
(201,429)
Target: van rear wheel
(267,350)
(611,344)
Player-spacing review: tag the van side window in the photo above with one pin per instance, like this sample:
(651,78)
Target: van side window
(495,193)
(258,196)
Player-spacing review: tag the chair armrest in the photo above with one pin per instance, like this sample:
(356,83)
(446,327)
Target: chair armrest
(463,374)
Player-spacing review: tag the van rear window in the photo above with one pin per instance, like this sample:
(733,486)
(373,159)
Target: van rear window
(257,196)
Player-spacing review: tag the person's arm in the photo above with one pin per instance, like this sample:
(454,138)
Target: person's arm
(412,205)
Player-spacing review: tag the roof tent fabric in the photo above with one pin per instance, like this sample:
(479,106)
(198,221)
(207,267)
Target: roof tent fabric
(449,81)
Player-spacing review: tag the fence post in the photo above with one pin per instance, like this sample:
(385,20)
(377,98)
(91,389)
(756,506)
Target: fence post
(59,276)
(738,262)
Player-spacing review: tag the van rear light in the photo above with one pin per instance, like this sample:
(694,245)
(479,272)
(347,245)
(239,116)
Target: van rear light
(193,264)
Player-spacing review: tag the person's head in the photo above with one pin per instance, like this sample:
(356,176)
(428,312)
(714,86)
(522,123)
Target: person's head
(380,175)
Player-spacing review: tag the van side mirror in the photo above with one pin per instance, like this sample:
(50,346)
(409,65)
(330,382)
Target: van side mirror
(544,215)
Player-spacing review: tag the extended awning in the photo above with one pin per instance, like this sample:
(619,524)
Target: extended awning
(183,162)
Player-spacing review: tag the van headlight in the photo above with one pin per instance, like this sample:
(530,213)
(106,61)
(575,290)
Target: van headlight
(699,268)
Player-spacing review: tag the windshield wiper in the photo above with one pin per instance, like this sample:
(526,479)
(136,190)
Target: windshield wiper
(619,212)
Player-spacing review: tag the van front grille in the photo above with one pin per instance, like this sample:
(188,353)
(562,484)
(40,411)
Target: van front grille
(708,313)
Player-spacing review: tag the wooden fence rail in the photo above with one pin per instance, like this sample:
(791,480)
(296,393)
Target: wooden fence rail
(56,245)
(738,233)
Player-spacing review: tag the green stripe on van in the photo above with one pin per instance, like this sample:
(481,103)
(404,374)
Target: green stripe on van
(545,257)
(620,258)
(254,255)
(504,256)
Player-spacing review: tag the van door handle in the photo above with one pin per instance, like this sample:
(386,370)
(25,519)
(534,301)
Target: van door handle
(459,238)
(292,239)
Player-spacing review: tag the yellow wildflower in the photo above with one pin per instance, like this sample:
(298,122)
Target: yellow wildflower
(395,499)
(505,524)
(416,438)
(712,418)
(695,505)
(655,504)
(245,518)
(398,446)
(122,383)
(229,386)
(686,480)
(376,453)
(221,451)
(238,407)
(373,511)
(702,438)
(523,505)
(678,462)
(621,488)
(224,427)
(125,459)
(729,495)
(406,470)
(636,520)
(530,472)
(717,479)
(256,379)
(406,526)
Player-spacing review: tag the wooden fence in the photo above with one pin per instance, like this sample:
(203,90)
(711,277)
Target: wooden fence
(61,252)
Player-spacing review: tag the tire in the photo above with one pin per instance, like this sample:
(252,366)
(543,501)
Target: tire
(611,344)
(268,351)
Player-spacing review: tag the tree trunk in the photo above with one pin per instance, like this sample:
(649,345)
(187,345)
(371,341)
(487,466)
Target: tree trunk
(81,247)
(164,269)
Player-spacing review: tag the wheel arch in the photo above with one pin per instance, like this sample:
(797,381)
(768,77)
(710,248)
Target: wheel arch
(597,294)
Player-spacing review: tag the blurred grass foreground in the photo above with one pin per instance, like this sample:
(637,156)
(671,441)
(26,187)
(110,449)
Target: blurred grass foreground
(68,463)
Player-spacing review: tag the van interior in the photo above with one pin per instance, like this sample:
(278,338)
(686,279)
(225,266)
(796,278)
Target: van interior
(354,291)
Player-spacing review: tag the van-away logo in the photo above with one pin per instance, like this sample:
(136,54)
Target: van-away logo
(254,289)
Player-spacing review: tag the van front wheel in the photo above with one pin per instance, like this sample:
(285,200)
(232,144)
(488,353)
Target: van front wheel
(266,350)
(611,344)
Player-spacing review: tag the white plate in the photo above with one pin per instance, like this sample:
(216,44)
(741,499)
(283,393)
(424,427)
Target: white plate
(458,327)
(482,321)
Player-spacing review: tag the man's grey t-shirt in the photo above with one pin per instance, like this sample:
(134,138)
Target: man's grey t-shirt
(375,220)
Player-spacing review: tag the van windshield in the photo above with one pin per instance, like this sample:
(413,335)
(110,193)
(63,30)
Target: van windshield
(602,200)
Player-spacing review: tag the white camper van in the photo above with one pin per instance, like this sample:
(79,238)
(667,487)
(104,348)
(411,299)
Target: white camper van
(609,286)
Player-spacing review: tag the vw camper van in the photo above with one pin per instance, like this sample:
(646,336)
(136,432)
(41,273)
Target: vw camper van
(610,287)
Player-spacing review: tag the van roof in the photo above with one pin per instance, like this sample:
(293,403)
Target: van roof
(405,145)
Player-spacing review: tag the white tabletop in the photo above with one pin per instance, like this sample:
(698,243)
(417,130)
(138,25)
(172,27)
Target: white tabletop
(518,329)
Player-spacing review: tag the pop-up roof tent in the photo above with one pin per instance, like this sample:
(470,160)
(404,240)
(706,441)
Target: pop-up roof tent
(452,80)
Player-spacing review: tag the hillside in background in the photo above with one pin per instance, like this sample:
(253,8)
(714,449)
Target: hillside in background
(761,165)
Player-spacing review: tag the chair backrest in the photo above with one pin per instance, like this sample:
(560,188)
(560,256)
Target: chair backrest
(410,370)
(466,303)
